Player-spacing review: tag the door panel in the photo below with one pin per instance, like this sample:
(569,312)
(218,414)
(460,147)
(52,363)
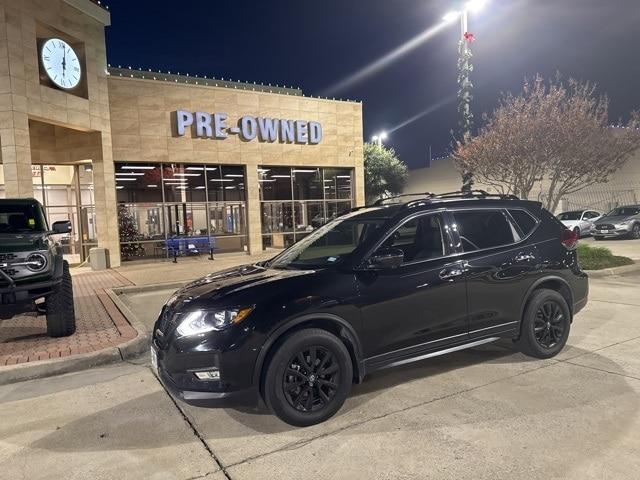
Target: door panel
(499,268)
(421,302)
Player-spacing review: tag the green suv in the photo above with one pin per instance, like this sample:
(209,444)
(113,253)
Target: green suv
(32,268)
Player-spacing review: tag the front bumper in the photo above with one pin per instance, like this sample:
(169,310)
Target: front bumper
(616,232)
(176,371)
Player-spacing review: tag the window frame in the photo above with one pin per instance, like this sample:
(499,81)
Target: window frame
(448,246)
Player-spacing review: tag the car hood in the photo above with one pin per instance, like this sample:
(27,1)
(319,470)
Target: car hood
(23,242)
(615,219)
(570,223)
(218,284)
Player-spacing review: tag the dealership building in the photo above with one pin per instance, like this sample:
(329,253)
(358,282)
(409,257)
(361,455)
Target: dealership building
(148,164)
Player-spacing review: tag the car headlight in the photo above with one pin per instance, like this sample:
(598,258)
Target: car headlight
(36,262)
(202,321)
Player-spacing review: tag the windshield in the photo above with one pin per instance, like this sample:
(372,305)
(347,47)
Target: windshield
(623,212)
(569,216)
(21,218)
(329,244)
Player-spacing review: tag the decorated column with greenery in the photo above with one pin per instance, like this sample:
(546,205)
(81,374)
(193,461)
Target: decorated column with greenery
(465,93)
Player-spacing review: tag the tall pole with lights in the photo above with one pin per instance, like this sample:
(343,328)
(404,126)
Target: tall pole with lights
(465,90)
(465,87)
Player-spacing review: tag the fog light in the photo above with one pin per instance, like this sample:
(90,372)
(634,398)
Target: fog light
(208,374)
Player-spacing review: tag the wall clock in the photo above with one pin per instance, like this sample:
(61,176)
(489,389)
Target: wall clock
(61,63)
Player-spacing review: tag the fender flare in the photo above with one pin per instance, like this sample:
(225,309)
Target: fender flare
(540,281)
(346,329)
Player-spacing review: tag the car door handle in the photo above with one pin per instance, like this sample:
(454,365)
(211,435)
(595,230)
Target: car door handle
(451,273)
(524,257)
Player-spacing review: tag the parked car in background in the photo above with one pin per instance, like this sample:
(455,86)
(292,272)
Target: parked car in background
(378,287)
(580,221)
(619,222)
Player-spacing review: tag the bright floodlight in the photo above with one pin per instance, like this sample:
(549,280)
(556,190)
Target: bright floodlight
(374,138)
(451,16)
(383,135)
(475,5)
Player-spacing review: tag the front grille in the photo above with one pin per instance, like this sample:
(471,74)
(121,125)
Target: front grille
(605,226)
(9,271)
(5,257)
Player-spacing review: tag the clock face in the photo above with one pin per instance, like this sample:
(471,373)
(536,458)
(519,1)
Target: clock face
(61,63)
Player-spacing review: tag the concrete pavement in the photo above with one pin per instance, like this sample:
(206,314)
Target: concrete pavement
(481,413)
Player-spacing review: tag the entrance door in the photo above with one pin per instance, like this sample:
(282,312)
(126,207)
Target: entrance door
(422,304)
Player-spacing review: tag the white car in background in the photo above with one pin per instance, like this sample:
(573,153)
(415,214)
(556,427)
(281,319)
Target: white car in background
(580,221)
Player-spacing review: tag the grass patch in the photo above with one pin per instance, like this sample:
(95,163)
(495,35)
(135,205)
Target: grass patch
(597,258)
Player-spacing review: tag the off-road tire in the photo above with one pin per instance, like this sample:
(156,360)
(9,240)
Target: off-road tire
(533,320)
(61,316)
(277,392)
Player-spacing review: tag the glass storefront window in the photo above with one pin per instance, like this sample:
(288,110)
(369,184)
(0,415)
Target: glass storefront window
(184,183)
(138,182)
(337,183)
(307,183)
(300,199)
(179,221)
(275,183)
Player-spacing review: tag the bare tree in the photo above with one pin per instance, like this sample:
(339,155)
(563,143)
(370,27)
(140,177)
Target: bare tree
(553,132)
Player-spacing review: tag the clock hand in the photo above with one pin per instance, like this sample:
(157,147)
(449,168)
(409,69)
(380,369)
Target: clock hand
(64,60)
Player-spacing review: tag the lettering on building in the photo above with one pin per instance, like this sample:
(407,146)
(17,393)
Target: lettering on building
(248,128)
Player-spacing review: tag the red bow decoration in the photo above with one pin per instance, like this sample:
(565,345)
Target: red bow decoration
(469,37)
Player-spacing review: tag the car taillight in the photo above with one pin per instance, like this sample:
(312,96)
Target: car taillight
(569,239)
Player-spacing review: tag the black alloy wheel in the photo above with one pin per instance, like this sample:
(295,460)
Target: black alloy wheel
(576,230)
(548,325)
(311,380)
(635,232)
(308,377)
(545,325)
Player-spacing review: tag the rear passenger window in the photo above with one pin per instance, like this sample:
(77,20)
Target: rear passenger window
(525,221)
(480,229)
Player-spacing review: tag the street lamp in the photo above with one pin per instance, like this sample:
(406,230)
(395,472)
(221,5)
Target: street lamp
(465,87)
(379,138)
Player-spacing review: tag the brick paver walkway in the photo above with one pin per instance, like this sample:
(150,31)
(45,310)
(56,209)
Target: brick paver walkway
(99,324)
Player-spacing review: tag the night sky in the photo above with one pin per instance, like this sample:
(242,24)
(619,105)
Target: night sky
(316,45)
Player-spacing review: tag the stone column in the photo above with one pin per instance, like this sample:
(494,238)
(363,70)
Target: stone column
(105,198)
(254,220)
(14,124)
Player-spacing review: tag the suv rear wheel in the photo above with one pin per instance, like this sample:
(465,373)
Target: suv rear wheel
(545,325)
(308,378)
(61,316)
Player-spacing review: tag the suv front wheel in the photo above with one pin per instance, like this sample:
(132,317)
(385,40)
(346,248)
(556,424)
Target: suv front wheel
(545,325)
(308,377)
(61,316)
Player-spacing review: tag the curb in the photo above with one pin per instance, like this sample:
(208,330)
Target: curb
(607,272)
(128,350)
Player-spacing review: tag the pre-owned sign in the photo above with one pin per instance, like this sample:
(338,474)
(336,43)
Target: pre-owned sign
(265,129)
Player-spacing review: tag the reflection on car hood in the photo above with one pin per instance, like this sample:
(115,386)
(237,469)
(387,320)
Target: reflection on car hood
(615,219)
(22,242)
(236,279)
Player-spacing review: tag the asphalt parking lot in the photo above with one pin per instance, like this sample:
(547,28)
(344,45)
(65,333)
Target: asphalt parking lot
(482,413)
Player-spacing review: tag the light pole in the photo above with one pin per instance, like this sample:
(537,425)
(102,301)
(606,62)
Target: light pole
(378,138)
(465,67)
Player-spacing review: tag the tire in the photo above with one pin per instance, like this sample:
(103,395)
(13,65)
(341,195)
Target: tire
(295,388)
(61,316)
(546,309)
(576,230)
(635,231)
(597,239)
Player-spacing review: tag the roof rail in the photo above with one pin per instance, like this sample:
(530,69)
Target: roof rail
(381,201)
(477,194)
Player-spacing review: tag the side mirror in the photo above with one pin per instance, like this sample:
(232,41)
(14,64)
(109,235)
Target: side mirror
(386,259)
(63,226)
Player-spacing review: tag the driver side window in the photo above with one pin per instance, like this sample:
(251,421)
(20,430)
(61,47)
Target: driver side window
(420,238)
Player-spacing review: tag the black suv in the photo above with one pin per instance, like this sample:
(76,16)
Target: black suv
(32,267)
(377,287)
